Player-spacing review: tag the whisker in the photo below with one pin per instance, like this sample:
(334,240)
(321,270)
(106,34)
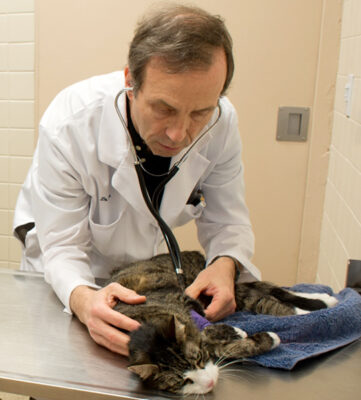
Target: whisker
(225,356)
(236,376)
(226,373)
(241,373)
(239,360)
(229,376)
(217,361)
(220,360)
(237,371)
(229,354)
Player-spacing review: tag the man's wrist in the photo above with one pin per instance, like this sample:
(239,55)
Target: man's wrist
(78,300)
(237,265)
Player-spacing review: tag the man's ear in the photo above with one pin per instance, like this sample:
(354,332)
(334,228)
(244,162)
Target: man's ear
(128,80)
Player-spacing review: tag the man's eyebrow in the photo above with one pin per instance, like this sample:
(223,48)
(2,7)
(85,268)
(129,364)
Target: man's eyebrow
(206,109)
(164,103)
(161,102)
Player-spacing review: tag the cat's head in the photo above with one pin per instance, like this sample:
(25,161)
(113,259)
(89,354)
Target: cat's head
(169,356)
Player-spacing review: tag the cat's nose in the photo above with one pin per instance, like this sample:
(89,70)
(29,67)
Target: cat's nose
(210,384)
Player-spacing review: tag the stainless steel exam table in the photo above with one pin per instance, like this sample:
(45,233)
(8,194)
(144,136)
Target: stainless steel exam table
(47,353)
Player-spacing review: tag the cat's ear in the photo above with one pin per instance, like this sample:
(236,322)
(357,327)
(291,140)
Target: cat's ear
(144,371)
(180,330)
(175,329)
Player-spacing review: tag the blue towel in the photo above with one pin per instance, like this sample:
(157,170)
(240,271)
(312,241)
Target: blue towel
(305,336)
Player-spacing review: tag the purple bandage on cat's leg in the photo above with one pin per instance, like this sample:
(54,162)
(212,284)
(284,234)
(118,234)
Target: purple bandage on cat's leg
(200,321)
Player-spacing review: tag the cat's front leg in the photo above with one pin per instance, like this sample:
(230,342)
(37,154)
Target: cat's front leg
(228,342)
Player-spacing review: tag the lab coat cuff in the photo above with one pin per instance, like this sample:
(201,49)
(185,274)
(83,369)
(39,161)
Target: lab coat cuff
(67,308)
(245,270)
(236,264)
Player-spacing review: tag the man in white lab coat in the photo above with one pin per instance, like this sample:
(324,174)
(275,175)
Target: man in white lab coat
(81,211)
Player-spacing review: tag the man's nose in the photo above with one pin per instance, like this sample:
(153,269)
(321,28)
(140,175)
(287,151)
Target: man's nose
(177,129)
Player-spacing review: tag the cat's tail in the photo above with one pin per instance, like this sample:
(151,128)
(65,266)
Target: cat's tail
(266,298)
(305,302)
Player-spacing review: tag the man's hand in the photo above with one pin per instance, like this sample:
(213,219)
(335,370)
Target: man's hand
(94,308)
(216,281)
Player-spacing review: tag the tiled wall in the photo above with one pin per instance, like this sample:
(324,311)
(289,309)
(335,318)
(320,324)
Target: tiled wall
(16,114)
(341,230)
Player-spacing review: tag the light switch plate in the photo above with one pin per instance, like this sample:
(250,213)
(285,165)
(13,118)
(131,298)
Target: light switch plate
(293,124)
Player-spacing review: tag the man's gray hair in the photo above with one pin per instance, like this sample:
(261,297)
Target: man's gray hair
(183,37)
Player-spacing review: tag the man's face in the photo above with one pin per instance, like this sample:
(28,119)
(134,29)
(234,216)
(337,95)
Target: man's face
(170,110)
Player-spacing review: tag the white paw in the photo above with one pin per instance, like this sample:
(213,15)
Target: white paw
(330,301)
(276,339)
(299,311)
(241,333)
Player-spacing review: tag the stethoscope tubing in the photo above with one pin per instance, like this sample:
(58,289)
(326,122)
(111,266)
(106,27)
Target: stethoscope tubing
(153,204)
(168,235)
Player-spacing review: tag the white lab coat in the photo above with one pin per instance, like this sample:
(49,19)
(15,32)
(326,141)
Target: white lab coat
(83,195)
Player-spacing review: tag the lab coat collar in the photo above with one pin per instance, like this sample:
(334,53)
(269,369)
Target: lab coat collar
(114,150)
(113,142)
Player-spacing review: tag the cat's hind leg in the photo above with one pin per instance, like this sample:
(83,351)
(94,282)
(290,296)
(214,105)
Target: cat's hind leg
(267,298)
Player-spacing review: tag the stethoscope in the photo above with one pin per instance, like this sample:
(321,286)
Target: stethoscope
(153,203)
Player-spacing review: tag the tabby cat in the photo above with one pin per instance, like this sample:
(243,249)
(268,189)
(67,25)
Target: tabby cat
(168,351)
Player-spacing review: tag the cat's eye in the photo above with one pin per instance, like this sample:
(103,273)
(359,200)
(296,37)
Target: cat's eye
(200,358)
(188,381)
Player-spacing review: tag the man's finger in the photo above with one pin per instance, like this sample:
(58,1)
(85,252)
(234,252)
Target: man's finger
(120,320)
(116,291)
(220,307)
(212,311)
(193,290)
(112,339)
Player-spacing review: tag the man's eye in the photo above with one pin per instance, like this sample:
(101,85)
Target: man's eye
(199,115)
(162,111)
(165,111)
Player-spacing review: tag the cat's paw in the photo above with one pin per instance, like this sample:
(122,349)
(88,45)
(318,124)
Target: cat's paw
(241,333)
(276,339)
(300,311)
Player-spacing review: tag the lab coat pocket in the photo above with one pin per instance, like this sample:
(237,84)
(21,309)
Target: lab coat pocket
(105,226)
(188,213)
